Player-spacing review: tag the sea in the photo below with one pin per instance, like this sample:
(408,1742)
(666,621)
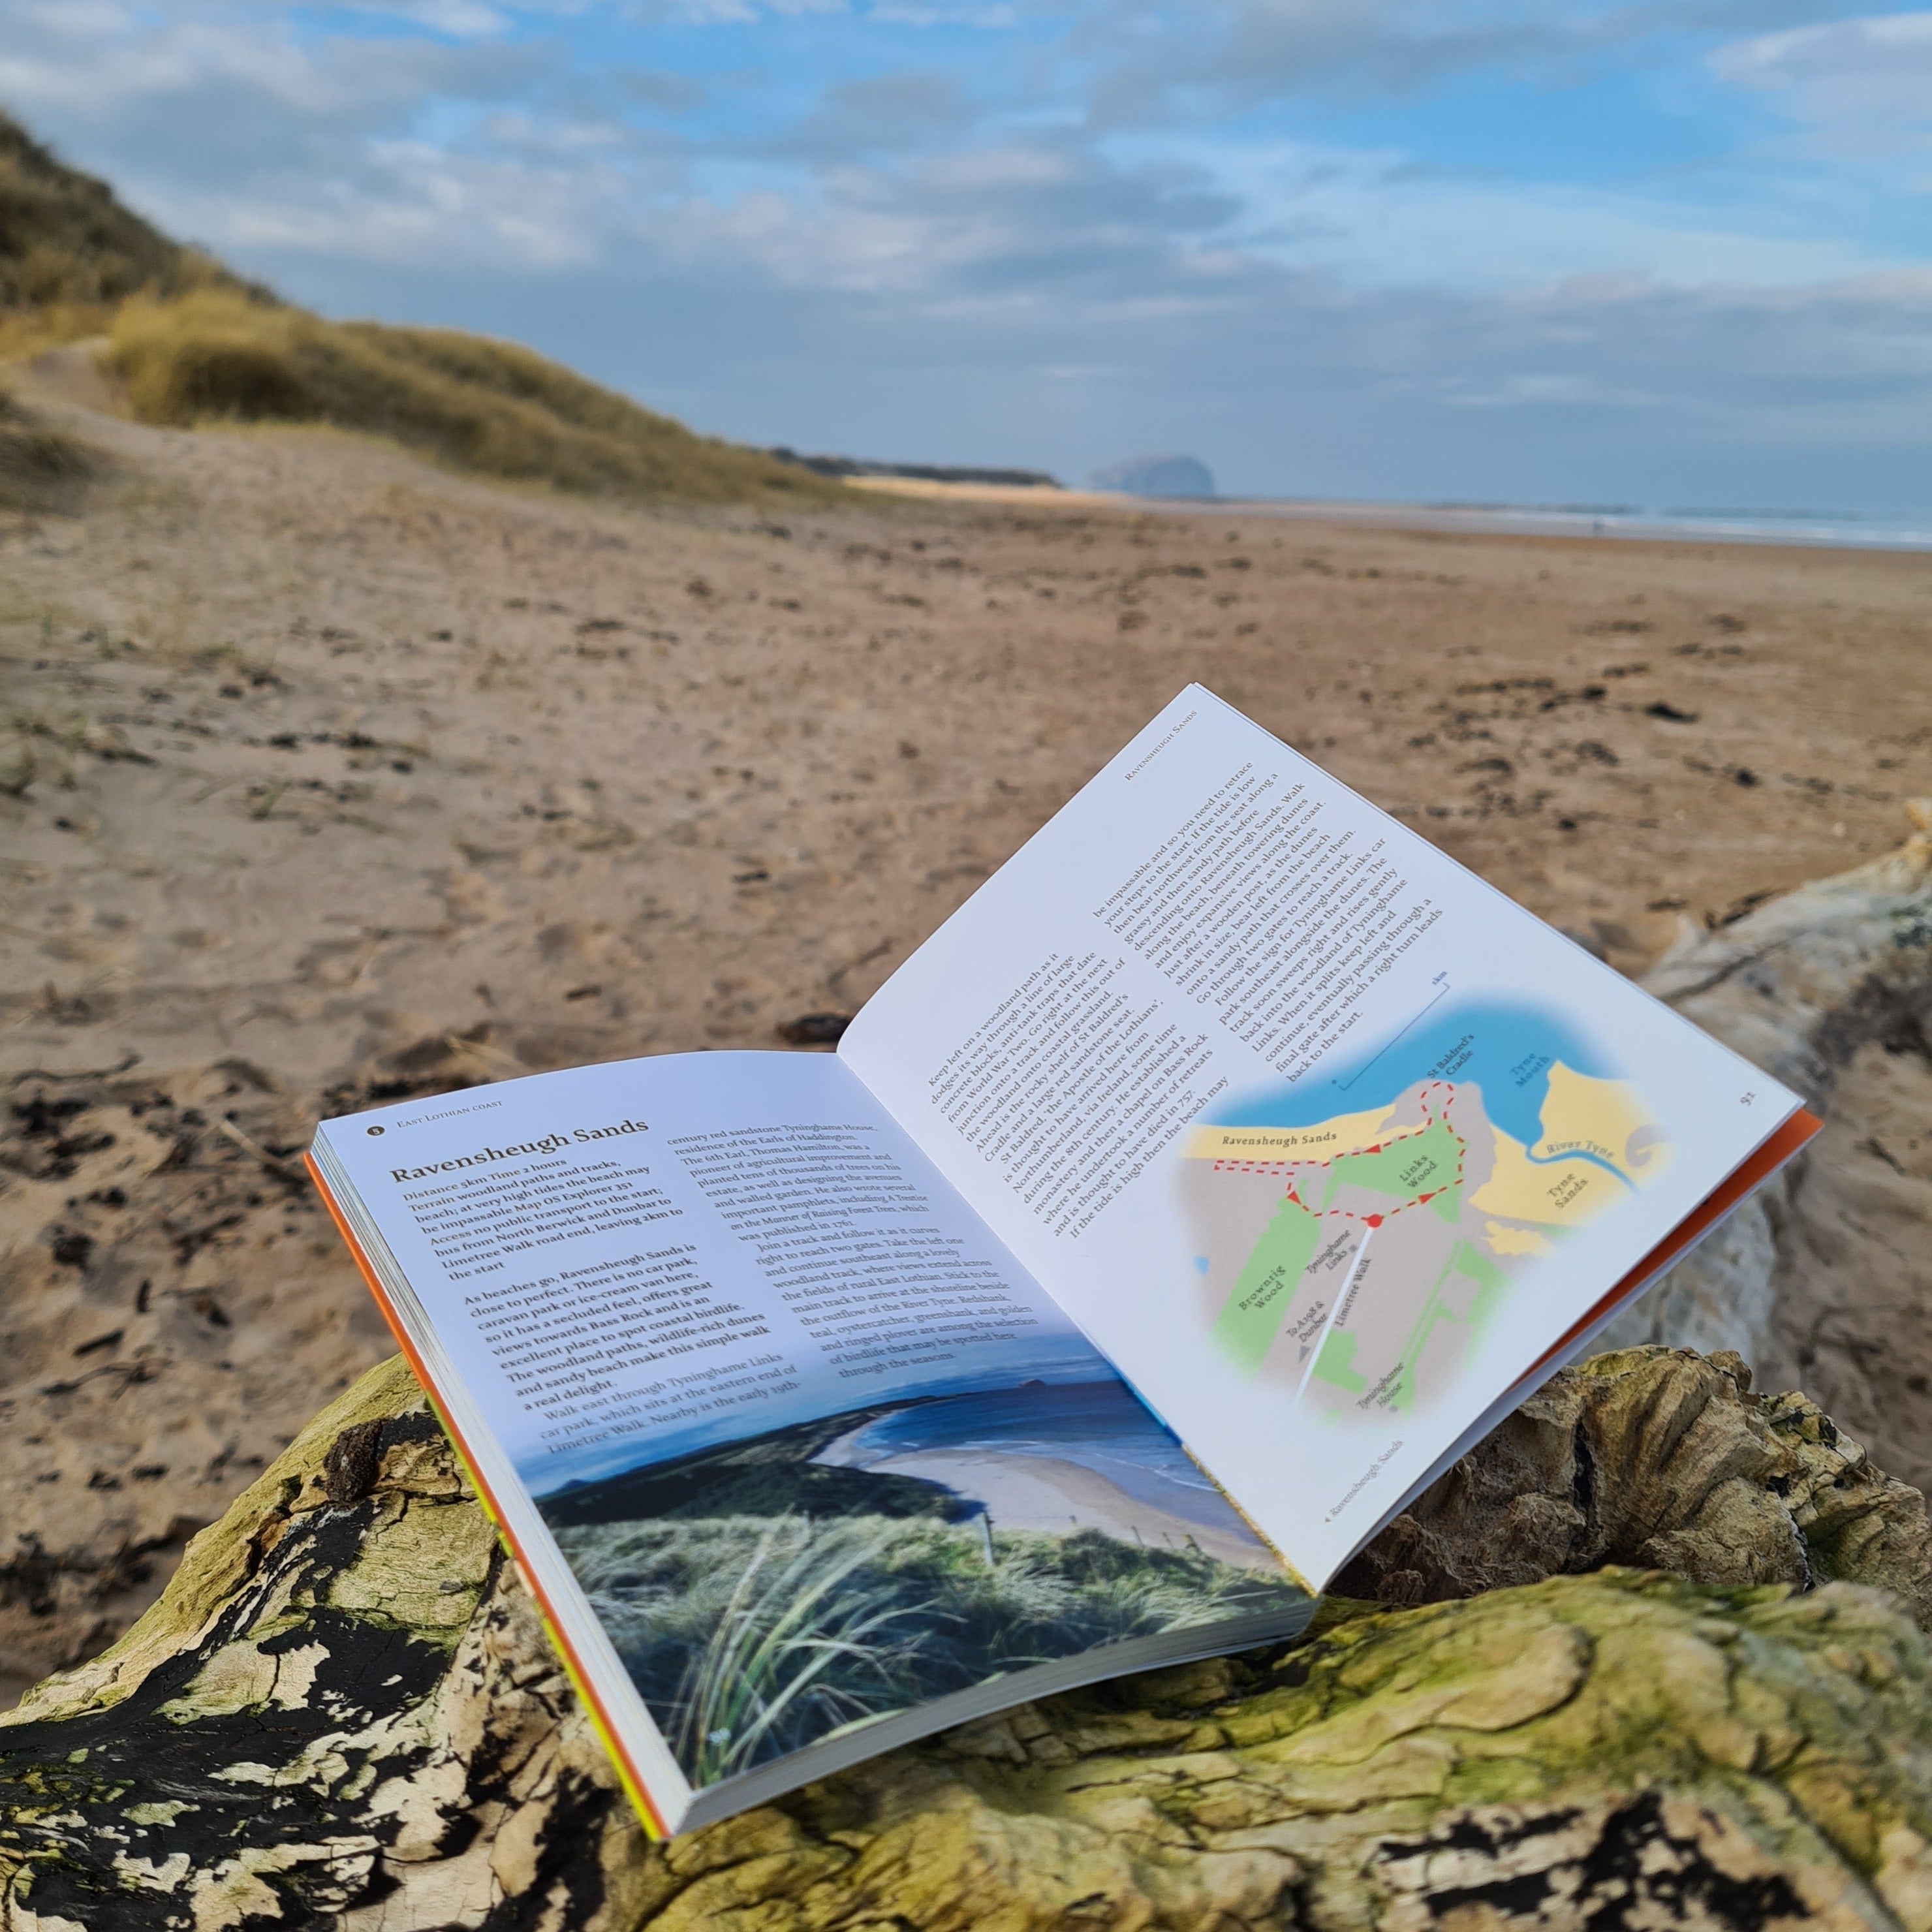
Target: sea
(1507,1051)
(1856,529)
(1100,1425)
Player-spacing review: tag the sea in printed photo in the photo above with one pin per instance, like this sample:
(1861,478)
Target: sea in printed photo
(770,1593)
(1056,1458)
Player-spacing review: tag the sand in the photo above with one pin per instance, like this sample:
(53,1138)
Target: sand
(331,775)
(1058,1495)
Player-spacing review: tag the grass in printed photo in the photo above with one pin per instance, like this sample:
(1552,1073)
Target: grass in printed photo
(750,1637)
(767,1595)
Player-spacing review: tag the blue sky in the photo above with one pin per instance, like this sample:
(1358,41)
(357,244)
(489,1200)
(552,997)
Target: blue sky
(1608,251)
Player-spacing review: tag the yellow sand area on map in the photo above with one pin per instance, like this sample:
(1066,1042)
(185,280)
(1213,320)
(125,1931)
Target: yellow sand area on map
(1515,1240)
(1600,1118)
(1593,1132)
(1564,1194)
(1341,1134)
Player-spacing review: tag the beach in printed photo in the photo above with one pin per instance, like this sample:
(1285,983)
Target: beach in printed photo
(769,1593)
(1081,1455)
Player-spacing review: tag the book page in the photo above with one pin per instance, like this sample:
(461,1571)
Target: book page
(1322,1139)
(815,1447)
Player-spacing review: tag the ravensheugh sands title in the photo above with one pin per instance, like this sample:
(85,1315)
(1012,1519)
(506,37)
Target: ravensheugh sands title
(550,1143)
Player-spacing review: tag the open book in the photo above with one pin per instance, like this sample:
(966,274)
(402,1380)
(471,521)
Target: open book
(1218,1173)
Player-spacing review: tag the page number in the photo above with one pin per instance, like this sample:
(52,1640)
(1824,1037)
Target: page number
(1745,1099)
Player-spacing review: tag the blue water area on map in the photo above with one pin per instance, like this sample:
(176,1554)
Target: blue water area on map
(1101,1425)
(1506,1051)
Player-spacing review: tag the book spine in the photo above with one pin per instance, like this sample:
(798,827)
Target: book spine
(648,1814)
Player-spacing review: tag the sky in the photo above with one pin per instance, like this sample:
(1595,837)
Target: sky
(1604,252)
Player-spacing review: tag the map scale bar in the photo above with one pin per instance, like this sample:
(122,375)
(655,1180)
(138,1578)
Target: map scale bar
(1394,1039)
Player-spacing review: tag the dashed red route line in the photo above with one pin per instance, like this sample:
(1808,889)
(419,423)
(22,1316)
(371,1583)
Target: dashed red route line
(1429,1120)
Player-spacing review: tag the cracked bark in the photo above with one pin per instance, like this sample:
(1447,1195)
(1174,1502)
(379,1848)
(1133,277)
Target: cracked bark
(1818,1279)
(343,1714)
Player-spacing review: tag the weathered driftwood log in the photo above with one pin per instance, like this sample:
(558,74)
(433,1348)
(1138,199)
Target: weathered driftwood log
(1820,1279)
(1662,1460)
(343,1712)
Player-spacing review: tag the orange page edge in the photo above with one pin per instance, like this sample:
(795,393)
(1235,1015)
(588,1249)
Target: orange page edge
(627,1774)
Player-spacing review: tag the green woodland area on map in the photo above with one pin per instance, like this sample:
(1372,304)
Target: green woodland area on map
(1249,1323)
(1424,1164)
(1333,1364)
(1317,1242)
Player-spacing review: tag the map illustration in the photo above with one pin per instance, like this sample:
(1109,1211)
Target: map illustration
(1353,1234)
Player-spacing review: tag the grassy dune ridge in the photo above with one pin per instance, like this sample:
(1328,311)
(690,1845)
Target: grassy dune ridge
(763,1601)
(749,1636)
(471,402)
(195,344)
(71,252)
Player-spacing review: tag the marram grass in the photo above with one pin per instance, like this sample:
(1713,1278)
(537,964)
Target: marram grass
(750,1636)
(221,355)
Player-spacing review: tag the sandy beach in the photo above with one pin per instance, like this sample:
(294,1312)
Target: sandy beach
(332,775)
(1054,1495)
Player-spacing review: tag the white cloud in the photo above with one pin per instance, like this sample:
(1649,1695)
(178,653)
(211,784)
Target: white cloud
(461,19)
(895,261)
(412,204)
(1159,62)
(1374,217)
(921,13)
(734,12)
(1863,86)
(55,58)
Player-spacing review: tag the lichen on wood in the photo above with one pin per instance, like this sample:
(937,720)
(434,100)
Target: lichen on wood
(343,1713)
(1664,1459)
